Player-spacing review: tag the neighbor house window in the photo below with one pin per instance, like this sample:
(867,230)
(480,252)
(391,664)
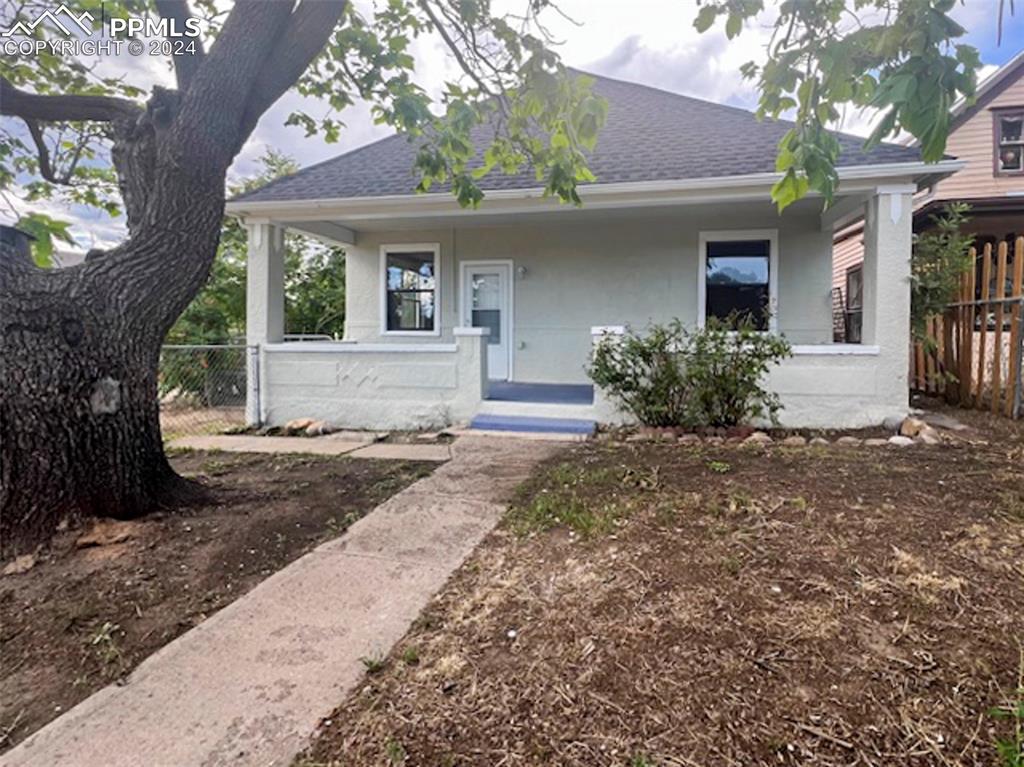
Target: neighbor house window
(410,275)
(737,280)
(1010,142)
(854,304)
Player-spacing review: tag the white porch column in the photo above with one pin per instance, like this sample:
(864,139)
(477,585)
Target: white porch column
(888,233)
(264,305)
(887,244)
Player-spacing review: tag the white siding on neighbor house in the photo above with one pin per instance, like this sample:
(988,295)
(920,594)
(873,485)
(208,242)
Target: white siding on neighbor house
(598,269)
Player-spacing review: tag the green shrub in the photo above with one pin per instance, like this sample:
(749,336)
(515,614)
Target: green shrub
(672,376)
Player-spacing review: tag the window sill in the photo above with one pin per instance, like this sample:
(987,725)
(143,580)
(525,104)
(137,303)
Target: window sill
(835,350)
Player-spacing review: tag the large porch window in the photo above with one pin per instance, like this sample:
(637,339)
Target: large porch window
(409,276)
(738,277)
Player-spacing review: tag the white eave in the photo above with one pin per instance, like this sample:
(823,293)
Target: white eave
(755,186)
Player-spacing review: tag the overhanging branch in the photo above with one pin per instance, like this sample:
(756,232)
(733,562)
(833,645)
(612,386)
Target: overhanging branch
(30,106)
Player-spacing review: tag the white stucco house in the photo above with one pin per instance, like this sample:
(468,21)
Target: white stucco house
(489,315)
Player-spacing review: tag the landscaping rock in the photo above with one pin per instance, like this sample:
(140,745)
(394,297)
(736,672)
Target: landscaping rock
(818,441)
(318,428)
(107,532)
(758,438)
(876,442)
(639,437)
(849,441)
(893,422)
(900,441)
(688,439)
(297,425)
(714,440)
(795,441)
(911,427)
(929,436)
(19,565)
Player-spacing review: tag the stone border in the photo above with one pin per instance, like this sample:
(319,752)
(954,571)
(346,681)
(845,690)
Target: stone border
(910,431)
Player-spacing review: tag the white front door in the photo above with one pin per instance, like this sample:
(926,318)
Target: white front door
(487,303)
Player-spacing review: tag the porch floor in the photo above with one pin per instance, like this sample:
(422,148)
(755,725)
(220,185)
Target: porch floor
(553,394)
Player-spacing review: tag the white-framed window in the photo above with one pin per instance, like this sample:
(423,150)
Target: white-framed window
(410,277)
(738,275)
(1009,130)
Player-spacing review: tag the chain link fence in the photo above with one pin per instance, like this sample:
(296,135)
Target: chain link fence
(201,389)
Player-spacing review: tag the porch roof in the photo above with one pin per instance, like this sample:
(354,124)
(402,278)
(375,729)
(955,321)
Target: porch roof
(650,136)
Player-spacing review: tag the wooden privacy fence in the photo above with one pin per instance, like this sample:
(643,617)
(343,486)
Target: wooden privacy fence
(976,351)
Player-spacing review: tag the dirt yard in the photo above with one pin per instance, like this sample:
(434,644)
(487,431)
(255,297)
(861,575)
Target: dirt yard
(98,601)
(673,605)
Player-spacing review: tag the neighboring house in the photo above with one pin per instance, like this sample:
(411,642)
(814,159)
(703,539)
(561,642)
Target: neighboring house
(988,136)
(490,314)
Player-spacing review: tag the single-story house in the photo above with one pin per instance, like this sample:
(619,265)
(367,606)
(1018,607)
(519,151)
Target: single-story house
(488,315)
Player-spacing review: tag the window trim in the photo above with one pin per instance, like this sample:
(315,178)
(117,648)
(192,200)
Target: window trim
(727,235)
(409,247)
(997,114)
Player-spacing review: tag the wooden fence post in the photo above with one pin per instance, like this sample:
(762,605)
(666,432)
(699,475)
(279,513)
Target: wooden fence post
(1014,384)
(986,285)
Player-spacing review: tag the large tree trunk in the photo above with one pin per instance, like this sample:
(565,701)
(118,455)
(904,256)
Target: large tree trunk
(79,347)
(79,417)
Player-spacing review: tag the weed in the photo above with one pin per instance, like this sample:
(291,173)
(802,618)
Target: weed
(1011,749)
(733,565)
(395,752)
(719,467)
(641,760)
(799,503)
(373,664)
(105,642)
(1011,505)
(411,656)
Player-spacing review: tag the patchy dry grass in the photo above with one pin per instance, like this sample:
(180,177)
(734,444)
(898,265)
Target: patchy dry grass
(645,606)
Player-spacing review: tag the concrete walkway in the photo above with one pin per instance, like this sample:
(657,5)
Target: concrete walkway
(249,685)
(339,444)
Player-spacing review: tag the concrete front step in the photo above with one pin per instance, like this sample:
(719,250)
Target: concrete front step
(537,410)
(527,424)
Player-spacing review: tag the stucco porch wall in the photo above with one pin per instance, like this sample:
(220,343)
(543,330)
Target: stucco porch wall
(371,386)
(839,388)
(586,268)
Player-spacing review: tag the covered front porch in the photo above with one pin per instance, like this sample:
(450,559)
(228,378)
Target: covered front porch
(452,313)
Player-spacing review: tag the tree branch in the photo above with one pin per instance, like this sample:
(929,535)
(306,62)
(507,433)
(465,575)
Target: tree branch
(310,27)
(45,168)
(186,64)
(31,106)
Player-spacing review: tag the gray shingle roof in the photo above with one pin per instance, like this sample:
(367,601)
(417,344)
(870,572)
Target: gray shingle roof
(650,135)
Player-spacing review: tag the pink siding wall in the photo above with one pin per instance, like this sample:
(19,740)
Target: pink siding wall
(973,142)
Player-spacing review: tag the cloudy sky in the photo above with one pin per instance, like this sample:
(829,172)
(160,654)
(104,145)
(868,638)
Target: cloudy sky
(646,41)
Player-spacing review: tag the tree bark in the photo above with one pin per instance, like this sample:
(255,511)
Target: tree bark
(79,421)
(79,347)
